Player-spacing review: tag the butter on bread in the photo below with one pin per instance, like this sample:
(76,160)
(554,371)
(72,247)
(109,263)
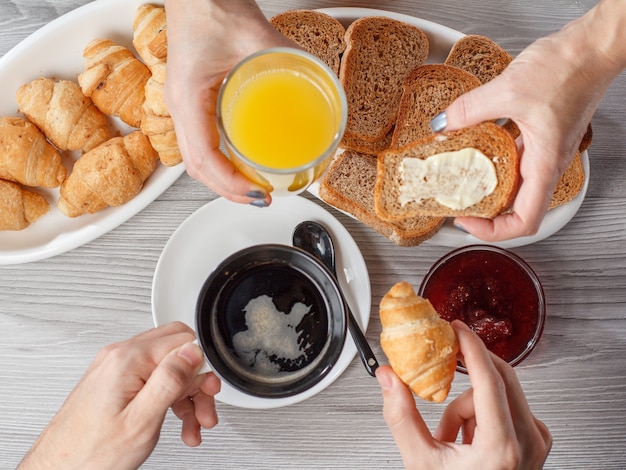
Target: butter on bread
(491,140)
(421,347)
(348,185)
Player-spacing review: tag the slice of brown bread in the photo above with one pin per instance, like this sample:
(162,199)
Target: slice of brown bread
(570,183)
(479,56)
(483,58)
(426,92)
(314,31)
(380,53)
(349,186)
(493,141)
(369,148)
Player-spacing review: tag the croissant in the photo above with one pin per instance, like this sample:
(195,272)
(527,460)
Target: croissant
(149,36)
(63,113)
(421,347)
(26,156)
(157,123)
(19,206)
(115,80)
(109,175)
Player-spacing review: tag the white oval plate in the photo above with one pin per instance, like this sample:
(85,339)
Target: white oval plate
(221,228)
(55,51)
(441,39)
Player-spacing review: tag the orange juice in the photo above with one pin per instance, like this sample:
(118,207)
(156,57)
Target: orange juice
(280,119)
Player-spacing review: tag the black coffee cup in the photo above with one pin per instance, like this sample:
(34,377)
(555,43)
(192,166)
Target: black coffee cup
(271,321)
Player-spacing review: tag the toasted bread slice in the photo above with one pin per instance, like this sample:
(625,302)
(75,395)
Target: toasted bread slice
(349,186)
(317,33)
(490,139)
(479,56)
(483,58)
(368,148)
(570,183)
(380,54)
(426,92)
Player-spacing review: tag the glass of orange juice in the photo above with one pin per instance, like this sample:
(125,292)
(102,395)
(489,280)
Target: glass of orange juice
(281,113)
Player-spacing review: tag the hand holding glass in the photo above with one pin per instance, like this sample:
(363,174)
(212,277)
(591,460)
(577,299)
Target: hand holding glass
(281,113)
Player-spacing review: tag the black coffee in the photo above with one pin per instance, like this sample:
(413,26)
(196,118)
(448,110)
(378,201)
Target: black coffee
(275,324)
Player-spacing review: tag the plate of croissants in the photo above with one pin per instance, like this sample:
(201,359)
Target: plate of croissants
(85,137)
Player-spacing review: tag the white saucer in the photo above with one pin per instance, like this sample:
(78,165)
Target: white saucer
(221,228)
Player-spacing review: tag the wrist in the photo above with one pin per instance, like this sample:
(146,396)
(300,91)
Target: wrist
(606,27)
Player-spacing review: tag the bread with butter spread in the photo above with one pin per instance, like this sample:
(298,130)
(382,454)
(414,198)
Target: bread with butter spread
(348,185)
(398,197)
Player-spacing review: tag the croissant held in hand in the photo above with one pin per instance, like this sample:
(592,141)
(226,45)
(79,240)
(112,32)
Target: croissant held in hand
(19,206)
(421,346)
(115,80)
(26,156)
(109,175)
(64,114)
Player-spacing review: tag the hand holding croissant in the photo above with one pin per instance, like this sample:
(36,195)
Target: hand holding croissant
(421,347)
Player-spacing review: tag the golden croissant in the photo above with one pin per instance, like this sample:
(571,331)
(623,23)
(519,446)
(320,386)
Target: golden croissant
(115,80)
(109,175)
(26,156)
(156,122)
(64,114)
(19,206)
(421,347)
(149,36)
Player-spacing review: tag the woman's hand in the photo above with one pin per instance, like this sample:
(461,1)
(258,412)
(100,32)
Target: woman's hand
(551,91)
(498,428)
(206,38)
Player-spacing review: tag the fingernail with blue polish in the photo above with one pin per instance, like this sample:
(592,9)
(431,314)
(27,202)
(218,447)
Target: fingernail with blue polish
(439,122)
(256,194)
(258,203)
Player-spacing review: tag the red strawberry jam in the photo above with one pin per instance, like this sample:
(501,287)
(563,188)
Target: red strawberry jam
(494,292)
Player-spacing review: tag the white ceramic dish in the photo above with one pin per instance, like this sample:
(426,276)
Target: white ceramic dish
(221,228)
(56,50)
(441,39)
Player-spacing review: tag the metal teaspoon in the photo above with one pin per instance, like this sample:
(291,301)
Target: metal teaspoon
(315,239)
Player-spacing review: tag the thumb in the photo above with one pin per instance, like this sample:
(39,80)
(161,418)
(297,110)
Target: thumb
(404,420)
(168,381)
(475,106)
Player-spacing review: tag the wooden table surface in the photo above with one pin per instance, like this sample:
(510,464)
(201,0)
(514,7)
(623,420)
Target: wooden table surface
(56,313)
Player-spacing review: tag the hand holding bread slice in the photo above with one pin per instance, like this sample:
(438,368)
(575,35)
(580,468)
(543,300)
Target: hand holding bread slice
(398,195)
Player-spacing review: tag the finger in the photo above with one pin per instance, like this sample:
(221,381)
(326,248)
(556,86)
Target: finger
(405,423)
(163,330)
(490,395)
(199,140)
(454,417)
(476,106)
(204,410)
(190,427)
(167,383)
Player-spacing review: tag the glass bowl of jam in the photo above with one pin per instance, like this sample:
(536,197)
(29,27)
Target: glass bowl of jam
(494,292)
